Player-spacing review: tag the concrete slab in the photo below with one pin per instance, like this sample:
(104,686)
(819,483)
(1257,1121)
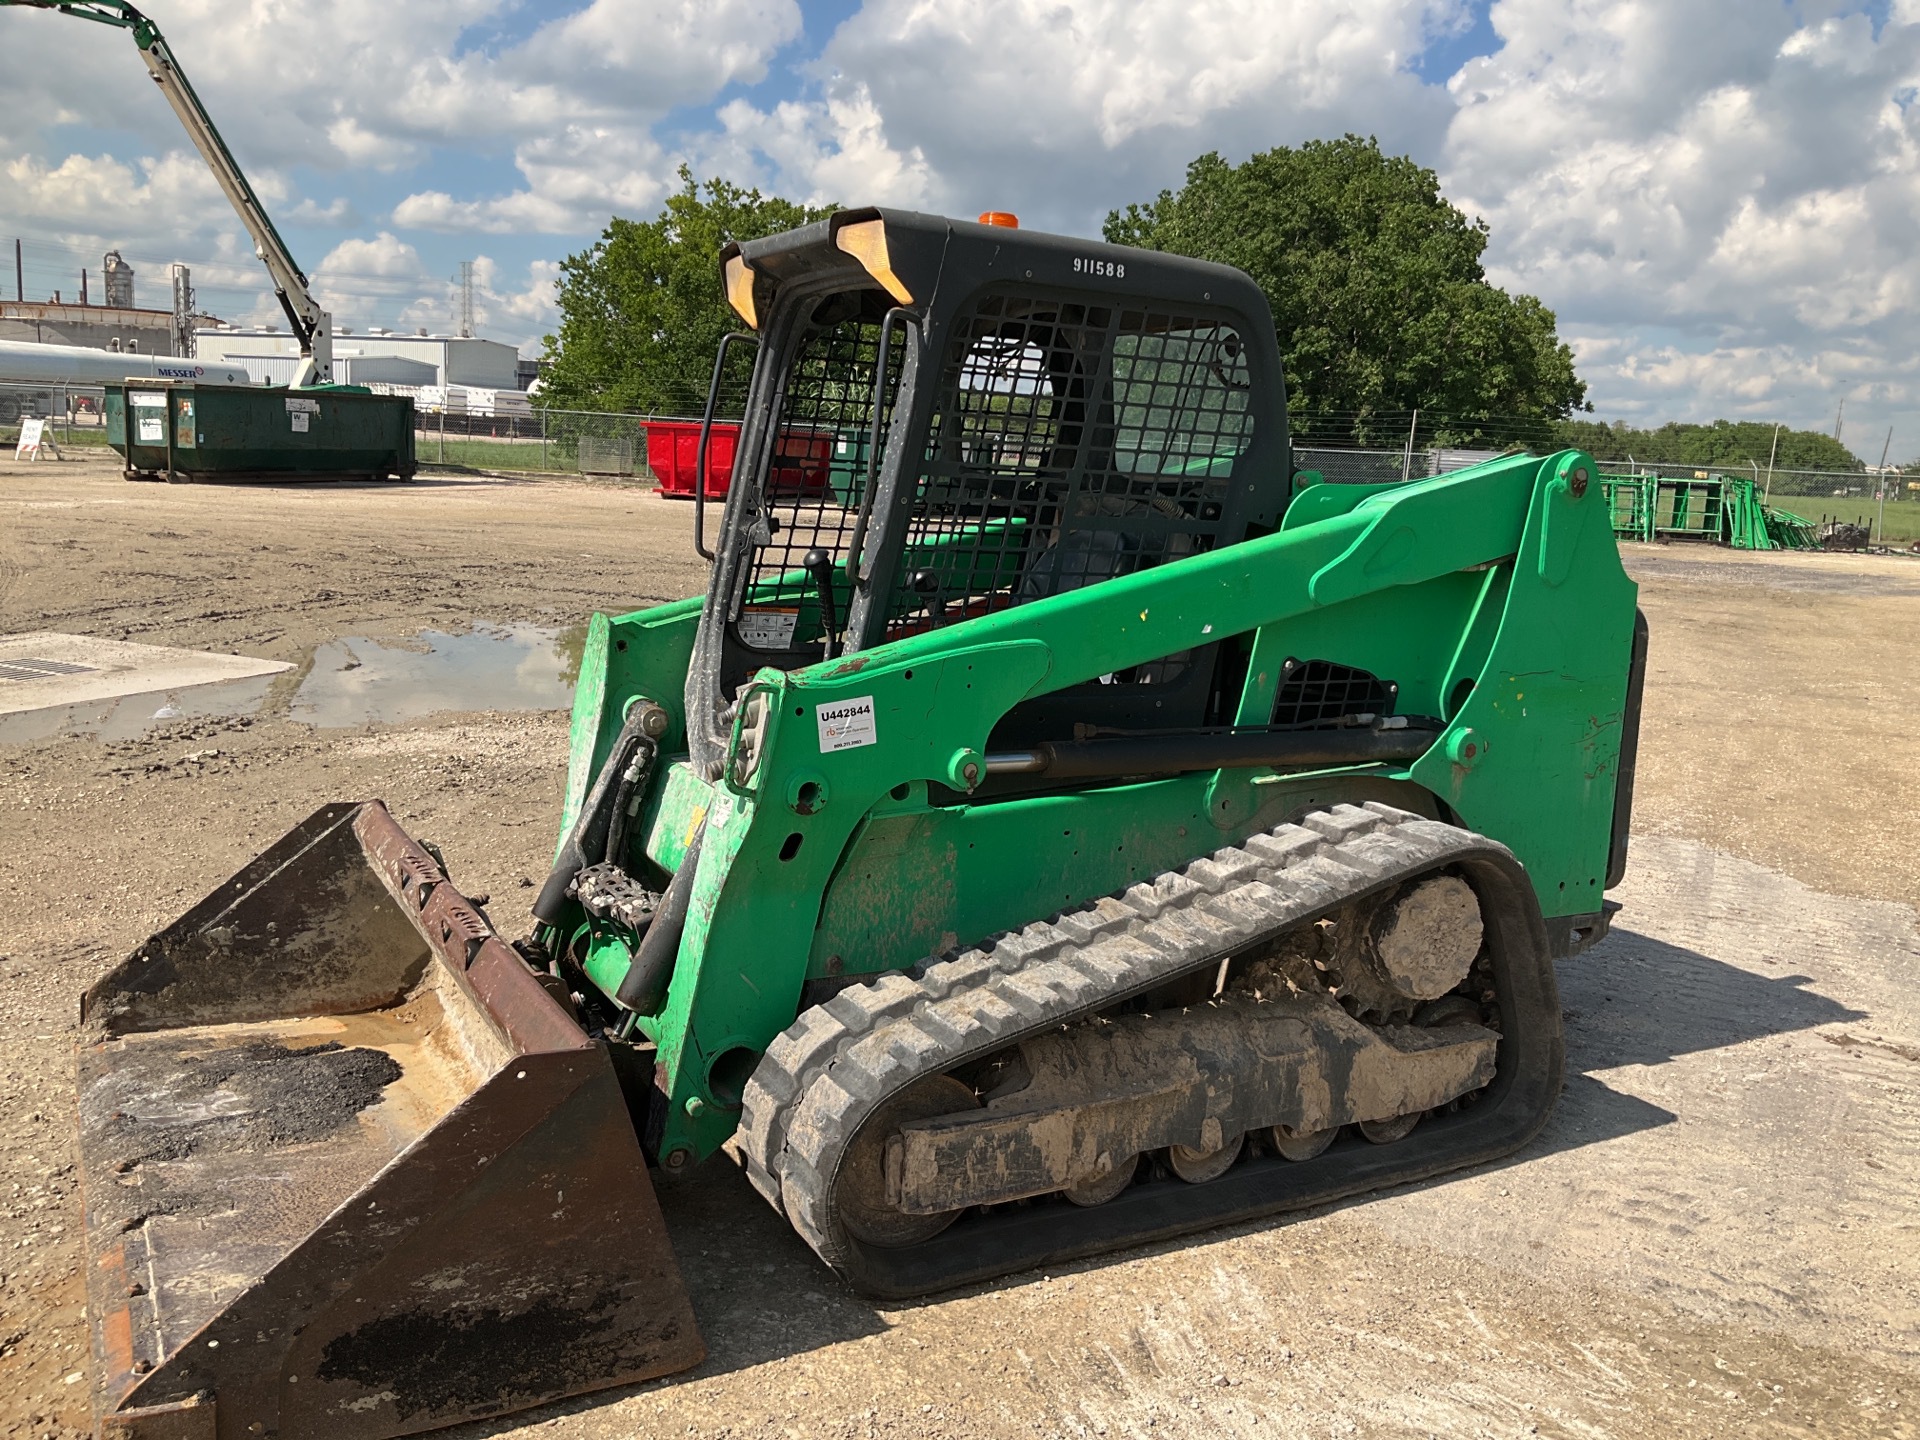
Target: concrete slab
(43,669)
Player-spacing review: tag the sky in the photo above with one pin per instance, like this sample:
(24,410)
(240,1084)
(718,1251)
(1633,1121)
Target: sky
(1720,199)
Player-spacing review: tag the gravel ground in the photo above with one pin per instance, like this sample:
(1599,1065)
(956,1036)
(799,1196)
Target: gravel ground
(1713,1237)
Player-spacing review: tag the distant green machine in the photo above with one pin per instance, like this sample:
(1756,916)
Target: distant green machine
(257,439)
(1070,828)
(1727,509)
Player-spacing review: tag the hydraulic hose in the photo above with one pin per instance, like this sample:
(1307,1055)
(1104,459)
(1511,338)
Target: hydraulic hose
(646,980)
(1176,754)
(587,843)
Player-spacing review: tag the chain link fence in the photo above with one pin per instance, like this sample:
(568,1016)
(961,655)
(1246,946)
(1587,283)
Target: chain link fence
(507,436)
(75,414)
(531,441)
(614,444)
(557,442)
(1884,507)
(1340,466)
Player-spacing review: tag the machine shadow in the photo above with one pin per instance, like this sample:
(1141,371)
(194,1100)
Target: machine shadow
(416,482)
(1705,1004)
(760,1294)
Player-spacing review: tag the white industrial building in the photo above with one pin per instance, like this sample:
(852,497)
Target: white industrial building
(368,357)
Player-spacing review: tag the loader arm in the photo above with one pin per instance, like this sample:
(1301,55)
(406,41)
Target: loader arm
(312,325)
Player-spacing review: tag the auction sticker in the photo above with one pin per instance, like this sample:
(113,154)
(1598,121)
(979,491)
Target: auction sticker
(768,629)
(846,724)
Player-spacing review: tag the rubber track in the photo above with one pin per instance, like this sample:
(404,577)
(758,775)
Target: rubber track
(827,1073)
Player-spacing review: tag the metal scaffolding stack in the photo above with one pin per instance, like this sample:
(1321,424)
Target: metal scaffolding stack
(1719,509)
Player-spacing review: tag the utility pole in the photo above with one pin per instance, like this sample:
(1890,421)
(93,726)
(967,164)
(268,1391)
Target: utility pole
(466,299)
(1406,461)
(19,275)
(184,341)
(1770,454)
(1880,526)
(1839,416)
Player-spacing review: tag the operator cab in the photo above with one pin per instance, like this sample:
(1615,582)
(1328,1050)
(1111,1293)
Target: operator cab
(948,419)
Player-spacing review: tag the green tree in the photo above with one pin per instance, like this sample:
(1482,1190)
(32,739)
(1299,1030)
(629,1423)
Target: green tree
(1378,295)
(642,310)
(1734,444)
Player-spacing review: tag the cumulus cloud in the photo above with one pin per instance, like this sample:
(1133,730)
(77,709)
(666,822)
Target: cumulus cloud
(379,86)
(504,215)
(337,212)
(577,174)
(562,112)
(1729,190)
(1067,107)
(101,193)
(523,304)
(368,281)
(382,259)
(577,101)
(833,151)
(1744,178)
(154,209)
(384,281)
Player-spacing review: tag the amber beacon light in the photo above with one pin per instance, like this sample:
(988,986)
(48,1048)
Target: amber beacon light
(1000,217)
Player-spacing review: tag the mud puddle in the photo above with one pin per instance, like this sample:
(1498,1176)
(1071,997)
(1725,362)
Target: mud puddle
(510,667)
(349,682)
(128,717)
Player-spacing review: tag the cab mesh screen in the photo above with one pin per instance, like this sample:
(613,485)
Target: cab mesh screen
(820,443)
(1318,694)
(1070,443)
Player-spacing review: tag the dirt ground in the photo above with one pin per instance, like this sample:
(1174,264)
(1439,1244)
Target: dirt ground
(1716,1234)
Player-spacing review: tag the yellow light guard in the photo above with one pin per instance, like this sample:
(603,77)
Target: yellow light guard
(866,241)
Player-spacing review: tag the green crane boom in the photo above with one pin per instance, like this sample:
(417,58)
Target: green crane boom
(311,324)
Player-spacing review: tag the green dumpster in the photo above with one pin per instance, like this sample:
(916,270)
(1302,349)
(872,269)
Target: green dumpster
(194,431)
(847,466)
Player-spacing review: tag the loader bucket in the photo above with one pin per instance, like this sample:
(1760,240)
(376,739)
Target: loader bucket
(350,1170)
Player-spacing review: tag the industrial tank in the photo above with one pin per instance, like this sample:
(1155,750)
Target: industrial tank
(27,362)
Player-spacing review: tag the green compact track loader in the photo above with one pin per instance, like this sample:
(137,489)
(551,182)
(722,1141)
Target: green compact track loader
(1076,829)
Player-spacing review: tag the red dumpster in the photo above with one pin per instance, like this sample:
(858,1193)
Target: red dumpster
(673,446)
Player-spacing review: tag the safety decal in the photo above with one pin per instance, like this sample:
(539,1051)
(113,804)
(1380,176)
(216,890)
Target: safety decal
(846,724)
(768,629)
